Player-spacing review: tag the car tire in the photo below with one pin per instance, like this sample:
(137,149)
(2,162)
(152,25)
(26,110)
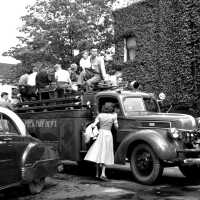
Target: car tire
(190,171)
(145,164)
(36,186)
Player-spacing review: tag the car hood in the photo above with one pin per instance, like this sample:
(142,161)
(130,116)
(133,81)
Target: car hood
(164,120)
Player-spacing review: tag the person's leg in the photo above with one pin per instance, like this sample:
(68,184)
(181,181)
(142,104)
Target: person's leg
(80,78)
(95,79)
(103,174)
(97,170)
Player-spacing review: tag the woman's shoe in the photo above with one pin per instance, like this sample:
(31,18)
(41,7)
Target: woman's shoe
(103,178)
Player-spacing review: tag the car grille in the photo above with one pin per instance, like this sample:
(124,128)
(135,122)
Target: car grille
(192,137)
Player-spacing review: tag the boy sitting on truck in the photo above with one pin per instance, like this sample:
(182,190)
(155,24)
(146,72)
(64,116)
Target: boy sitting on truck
(63,80)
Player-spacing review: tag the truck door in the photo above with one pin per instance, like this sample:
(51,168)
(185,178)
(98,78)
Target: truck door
(10,146)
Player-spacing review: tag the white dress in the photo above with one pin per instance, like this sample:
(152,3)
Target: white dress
(101,150)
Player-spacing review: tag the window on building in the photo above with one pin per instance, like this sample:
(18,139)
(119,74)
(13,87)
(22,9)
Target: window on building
(129,48)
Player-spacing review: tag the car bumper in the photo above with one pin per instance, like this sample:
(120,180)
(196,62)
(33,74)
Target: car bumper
(189,156)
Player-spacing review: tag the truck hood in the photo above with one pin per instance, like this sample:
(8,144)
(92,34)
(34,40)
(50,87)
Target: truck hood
(164,120)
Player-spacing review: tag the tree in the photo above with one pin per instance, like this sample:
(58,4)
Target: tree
(52,29)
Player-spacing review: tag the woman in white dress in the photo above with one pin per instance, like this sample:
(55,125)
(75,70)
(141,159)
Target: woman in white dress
(101,151)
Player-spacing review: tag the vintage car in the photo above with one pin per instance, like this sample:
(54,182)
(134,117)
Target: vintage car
(23,158)
(148,139)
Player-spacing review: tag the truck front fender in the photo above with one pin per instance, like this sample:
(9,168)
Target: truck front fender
(163,146)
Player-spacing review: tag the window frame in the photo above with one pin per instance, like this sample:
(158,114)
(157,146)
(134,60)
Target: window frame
(4,132)
(127,50)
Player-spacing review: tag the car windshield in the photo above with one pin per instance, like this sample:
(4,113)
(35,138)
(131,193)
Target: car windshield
(139,104)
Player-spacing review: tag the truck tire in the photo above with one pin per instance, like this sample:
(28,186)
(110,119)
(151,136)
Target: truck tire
(145,165)
(36,186)
(190,171)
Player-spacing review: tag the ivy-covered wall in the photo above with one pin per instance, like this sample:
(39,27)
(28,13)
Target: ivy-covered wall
(168,46)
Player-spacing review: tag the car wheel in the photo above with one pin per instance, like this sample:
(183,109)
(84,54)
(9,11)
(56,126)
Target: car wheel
(36,186)
(145,165)
(190,171)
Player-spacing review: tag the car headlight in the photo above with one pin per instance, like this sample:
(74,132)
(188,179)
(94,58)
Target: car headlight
(174,133)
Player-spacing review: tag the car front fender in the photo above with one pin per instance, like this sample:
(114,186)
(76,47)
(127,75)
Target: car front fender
(38,161)
(163,146)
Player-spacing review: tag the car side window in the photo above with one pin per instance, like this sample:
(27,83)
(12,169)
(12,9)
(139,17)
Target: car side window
(7,126)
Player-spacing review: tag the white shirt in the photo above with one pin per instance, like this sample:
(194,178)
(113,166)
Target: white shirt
(85,63)
(31,79)
(62,75)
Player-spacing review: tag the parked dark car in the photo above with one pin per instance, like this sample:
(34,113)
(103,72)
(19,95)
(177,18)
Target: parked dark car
(23,159)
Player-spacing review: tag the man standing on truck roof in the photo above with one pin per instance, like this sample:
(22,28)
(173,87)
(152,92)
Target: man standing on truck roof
(62,78)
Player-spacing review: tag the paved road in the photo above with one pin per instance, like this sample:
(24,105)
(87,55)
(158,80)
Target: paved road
(79,184)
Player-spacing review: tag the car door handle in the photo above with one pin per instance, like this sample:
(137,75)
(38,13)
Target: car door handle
(7,139)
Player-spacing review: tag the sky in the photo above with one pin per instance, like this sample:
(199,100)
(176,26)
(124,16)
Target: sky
(10,13)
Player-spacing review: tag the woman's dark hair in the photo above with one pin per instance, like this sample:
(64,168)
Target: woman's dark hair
(108,107)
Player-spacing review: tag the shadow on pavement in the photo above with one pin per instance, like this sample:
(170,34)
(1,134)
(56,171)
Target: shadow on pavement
(171,176)
(20,191)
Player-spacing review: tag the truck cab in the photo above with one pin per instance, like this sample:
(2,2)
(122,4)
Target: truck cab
(148,139)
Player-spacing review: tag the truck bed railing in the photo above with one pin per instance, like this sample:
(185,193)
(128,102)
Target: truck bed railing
(70,101)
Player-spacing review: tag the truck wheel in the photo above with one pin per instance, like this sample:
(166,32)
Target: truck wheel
(36,186)
(145,165)
(190,171)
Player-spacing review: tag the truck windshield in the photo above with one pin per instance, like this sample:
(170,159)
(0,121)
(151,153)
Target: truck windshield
(134,104)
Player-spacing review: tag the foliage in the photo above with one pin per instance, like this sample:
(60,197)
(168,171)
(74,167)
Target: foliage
(54,28)
(168,50)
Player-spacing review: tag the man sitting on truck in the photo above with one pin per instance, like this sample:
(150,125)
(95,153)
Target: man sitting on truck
(43,81)
(5,102)
(95,70)
(63,80)
(97,67)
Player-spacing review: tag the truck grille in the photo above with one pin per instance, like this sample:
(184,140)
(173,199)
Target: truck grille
(191,136)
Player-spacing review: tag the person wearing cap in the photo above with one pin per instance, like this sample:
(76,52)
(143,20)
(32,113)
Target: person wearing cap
(101,152)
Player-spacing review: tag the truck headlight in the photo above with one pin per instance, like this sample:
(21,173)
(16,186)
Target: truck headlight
(174,133)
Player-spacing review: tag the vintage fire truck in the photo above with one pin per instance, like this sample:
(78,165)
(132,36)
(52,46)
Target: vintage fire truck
(148,139)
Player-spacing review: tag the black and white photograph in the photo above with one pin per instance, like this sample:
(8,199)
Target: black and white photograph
(100,100)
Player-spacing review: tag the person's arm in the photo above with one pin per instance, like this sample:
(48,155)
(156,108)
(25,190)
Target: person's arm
(102,67)
(96,121)
(69,79)
(115,121)
(56,76)
(82,65)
